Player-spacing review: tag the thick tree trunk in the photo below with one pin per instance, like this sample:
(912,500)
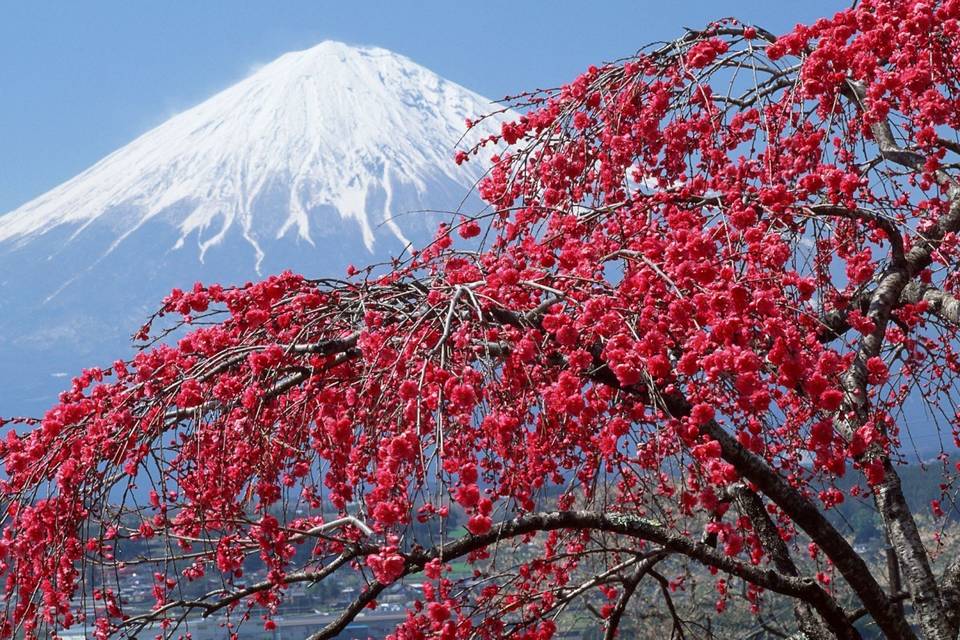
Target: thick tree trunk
(914,563)
(950,593)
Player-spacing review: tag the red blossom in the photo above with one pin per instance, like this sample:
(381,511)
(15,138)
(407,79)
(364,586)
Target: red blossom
(682,295)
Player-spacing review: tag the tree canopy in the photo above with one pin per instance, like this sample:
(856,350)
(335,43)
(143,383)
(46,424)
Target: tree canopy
(711,280)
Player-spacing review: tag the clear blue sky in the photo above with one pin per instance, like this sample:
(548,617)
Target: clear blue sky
(80,79)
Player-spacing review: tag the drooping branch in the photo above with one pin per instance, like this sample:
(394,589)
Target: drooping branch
(799,508)
(625,525)
(698,166)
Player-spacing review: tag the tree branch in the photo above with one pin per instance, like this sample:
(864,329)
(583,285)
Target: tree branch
(774,546)
(630,585)
(939,302)
(626,525)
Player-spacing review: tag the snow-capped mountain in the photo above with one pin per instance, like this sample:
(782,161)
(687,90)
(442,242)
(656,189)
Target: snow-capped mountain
(324,157)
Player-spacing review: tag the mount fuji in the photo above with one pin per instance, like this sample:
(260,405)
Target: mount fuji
(321,158)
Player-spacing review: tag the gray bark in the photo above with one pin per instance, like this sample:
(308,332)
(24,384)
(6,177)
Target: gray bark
(810,624)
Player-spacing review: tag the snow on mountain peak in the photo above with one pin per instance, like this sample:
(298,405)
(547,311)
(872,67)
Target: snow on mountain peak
(327,127)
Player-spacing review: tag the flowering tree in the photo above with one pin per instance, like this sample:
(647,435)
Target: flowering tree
(711,279)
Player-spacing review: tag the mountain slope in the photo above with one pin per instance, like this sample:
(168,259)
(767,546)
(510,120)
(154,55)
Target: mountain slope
(321,158)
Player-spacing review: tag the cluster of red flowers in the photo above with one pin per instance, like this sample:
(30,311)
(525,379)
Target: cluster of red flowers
(665,260)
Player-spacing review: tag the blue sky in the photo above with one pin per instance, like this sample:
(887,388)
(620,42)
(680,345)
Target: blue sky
(80,79)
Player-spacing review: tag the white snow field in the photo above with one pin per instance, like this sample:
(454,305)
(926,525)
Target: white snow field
(324,157)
